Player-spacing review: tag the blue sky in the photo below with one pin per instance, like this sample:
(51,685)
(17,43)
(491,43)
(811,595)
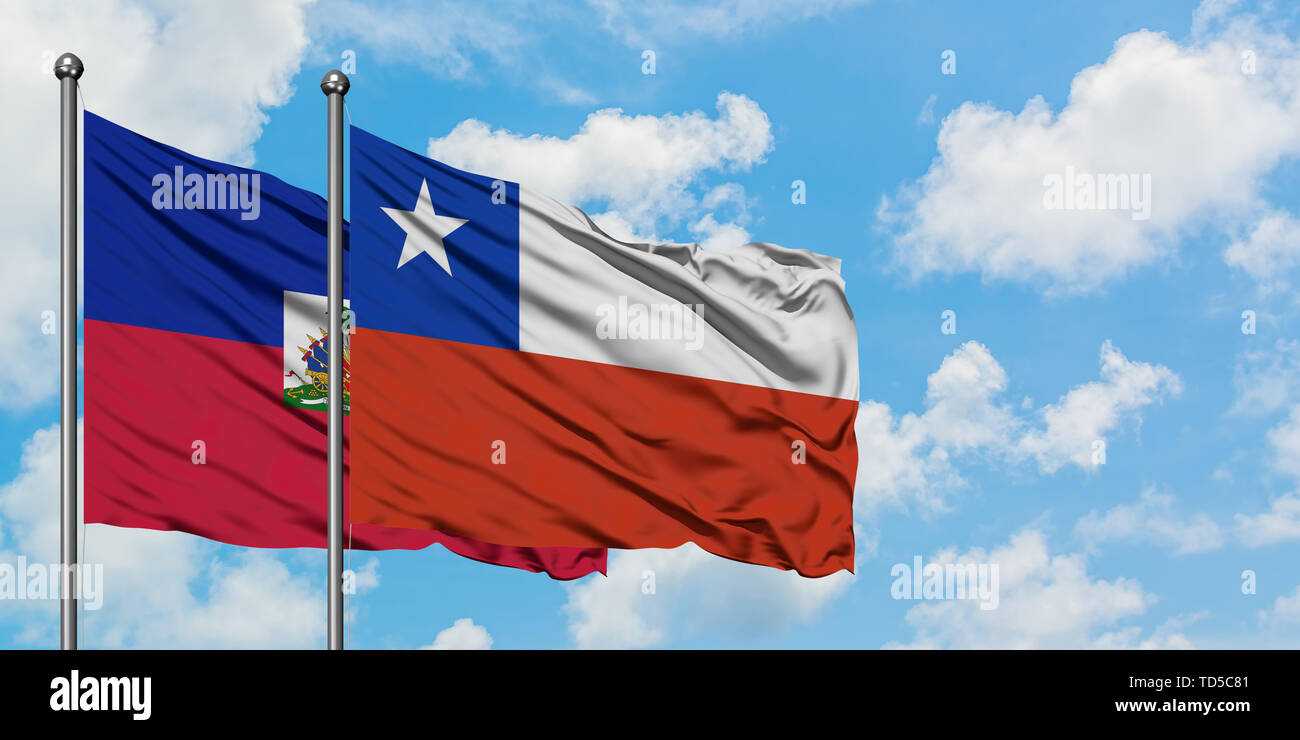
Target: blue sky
(975,445)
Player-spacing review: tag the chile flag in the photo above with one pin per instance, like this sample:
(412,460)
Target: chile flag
(523,377)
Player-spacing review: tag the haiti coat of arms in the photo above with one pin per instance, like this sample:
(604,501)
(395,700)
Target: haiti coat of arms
(307,347)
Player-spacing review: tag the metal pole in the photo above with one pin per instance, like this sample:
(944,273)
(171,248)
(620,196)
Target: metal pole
(335,85)
(68,69)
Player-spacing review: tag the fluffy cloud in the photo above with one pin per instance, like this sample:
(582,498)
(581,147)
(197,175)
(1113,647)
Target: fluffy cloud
(461,40)
(1285,611)
(1281,523)
(897,462)
(446,37)
(676,21)
(653,596)
(149,66)
(1268,380)
(959,397)
(926,115)
(911,458)
(1166,636)
(1284,439)
(160,589)
(463,634)
(1091,411)
(254,601)
(1154,107)
(712,234)
(1046,601)
(1151,519)
(722,235)
(1268,252)
(642,167)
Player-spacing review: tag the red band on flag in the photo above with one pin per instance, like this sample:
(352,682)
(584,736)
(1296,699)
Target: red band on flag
(509,446)
(153,395)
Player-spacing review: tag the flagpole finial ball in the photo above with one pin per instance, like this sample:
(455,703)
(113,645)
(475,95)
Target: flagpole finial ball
(335,81)
(68,65)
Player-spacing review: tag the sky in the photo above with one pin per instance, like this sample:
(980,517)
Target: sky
(1103,403)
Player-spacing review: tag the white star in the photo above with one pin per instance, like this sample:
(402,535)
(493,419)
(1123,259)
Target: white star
(424,229)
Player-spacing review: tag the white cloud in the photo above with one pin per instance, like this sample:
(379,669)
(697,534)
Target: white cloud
(725,234)
(678,21)
(150,67)
(898,464)
(926,116)
(565,91)
(1267,381)
(256,601)
(1153,107)
(448,38)
(1093,410)
(911,458)
(160,589)
(1285,611)
(644,168)
(1151,519)
(1046,601)
(463,634)
(1168,635)
(1280,523)
(721,236)
(1269,252)
(960,409)
(614,224)
(694,593)
(1284,439)
(459,40)
(367,576)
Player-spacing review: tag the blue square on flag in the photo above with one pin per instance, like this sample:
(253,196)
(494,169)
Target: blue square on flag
(436,250)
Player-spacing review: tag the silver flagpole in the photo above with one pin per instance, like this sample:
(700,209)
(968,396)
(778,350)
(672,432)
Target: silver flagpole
(335,85)
(68,69)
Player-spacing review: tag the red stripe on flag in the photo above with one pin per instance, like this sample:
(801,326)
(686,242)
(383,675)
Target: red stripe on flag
(597,455)
(151,394)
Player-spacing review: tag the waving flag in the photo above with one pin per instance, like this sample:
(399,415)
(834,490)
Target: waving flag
(522,377)
(205,383)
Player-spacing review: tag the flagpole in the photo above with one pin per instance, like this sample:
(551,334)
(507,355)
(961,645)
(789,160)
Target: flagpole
(68,69)
(335,85)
